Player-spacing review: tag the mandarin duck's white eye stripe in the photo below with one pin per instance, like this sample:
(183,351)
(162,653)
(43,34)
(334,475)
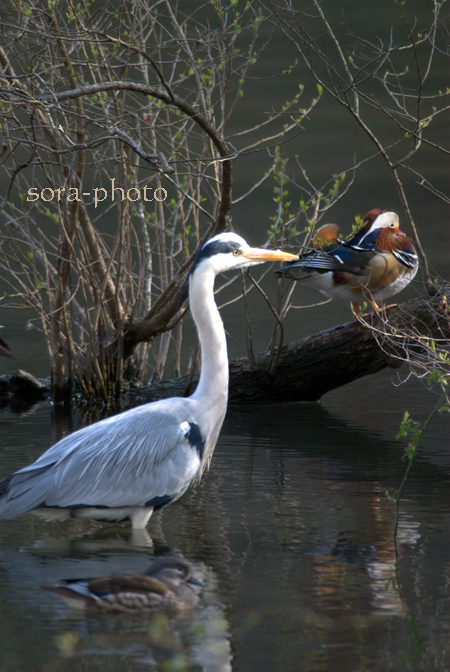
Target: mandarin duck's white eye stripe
(128,465)
(377,263)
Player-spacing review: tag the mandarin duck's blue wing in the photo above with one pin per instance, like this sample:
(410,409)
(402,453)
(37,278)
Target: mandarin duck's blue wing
(337,257)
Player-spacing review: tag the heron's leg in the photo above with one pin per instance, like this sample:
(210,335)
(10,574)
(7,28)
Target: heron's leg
(140,517)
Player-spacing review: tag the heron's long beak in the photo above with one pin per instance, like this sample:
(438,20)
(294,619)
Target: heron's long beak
(258,254)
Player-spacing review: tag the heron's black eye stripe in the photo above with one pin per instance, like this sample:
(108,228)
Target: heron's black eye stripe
(216,247)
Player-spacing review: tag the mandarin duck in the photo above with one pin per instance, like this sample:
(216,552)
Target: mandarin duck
(378,262)
(165,586)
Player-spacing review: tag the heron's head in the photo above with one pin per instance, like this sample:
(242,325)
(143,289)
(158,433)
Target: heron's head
(228,251)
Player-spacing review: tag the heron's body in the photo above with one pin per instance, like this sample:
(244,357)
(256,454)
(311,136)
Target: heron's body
(165,586)
(136,477)
(140,460)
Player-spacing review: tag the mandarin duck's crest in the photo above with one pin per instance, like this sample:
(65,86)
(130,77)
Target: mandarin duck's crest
(166,586)
(378,262)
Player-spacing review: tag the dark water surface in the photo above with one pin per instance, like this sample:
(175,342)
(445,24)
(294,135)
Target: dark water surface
(292,530)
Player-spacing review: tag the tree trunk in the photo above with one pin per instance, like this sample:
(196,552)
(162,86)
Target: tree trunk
(312,366)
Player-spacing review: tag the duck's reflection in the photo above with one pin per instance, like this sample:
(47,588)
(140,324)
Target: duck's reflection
(166,642)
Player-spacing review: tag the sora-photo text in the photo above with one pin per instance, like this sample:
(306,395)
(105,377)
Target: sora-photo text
(98,194)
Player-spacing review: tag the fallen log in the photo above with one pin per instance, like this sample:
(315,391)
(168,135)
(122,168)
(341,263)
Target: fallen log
(308,368)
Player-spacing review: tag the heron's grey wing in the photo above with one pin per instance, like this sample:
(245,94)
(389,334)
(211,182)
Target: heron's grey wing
(148,454)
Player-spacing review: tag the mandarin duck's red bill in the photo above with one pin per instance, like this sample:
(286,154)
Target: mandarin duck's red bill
(377,263)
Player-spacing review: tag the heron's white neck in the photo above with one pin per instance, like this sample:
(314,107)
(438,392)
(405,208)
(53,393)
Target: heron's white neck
(212,387)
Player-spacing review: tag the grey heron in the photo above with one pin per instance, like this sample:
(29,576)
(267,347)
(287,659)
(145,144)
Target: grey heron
(128,465)
(167,585)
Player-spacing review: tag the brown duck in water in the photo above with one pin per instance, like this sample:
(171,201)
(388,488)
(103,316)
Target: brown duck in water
(165,586)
